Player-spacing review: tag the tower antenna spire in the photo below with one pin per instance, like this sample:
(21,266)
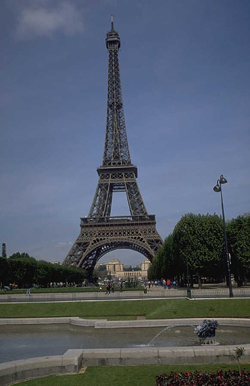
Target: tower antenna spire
(112,22)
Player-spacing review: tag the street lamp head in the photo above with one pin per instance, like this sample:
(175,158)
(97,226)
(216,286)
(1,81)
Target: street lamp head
(217,188)
(223,180)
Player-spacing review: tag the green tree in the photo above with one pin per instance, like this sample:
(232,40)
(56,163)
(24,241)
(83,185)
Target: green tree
(153,270)
(4,271)
(66,275)
(101,271)
(164,265)
(18,255)
(238,233)
(169,266)
(57,276)
(22,271)
(198,240)
(44,273)
(74,275)
(101,268)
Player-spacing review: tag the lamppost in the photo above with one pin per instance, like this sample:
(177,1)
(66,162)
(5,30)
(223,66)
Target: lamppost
(217,189)
(187,267)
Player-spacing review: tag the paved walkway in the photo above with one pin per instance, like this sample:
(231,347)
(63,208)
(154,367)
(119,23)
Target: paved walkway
(152,293)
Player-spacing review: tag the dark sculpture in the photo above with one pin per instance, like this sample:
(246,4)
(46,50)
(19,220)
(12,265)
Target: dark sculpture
(206,331)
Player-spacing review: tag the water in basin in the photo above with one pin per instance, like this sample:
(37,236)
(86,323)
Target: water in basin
(26,341)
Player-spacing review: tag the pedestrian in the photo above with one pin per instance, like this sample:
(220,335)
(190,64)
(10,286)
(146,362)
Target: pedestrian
(108,289)
(28,290)
(168,284)
(113,287)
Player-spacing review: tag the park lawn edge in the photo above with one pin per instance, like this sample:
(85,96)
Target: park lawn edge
(122,310)
(123,375)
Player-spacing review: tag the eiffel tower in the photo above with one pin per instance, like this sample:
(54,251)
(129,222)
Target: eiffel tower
(100,232)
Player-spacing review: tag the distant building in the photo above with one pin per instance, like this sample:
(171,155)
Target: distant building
(145,265)
(116,269)
(56,262)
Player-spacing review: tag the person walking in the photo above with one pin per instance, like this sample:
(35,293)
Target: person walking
(28,290)
(108,289)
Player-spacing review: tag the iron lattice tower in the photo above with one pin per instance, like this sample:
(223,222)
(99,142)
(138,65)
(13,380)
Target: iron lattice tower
(100,232)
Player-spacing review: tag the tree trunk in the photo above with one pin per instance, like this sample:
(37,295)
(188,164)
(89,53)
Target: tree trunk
(199,281)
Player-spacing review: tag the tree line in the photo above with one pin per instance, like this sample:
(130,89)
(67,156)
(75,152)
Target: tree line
(24,270)
(196,249)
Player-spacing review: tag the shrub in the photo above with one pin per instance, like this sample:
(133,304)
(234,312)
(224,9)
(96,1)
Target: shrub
(197,378)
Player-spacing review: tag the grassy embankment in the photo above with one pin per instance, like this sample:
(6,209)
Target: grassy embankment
(121,376)
(121,310)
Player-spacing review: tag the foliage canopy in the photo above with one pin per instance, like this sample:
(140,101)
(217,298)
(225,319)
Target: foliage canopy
(24,270)
(197,248)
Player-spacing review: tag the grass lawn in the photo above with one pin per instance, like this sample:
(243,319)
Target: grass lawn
(151,309)
(121,376)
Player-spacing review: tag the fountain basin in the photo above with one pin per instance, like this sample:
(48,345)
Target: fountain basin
(26,338)
(73,360)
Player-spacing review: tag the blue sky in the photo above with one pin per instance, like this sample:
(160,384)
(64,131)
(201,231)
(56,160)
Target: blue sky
(185,68)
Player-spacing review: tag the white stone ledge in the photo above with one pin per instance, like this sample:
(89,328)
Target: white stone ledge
(82,322)
(101,353)
(239,322)
(34,364)
(73,360)
(103,323)
(163,355)
(7,321)
(24,369)
(63,320)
